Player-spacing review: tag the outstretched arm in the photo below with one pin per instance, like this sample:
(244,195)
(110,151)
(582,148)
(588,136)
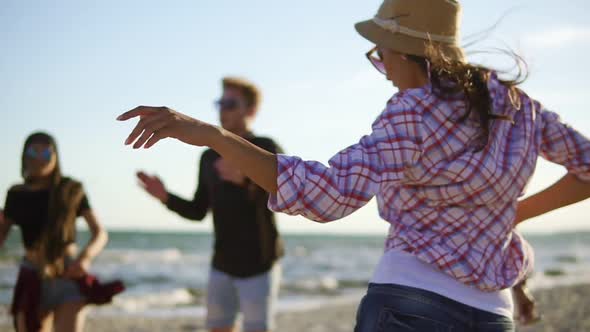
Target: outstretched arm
(157,123)
(318,192)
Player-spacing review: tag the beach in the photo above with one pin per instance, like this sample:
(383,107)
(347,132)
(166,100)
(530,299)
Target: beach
(565,308)
(324,278)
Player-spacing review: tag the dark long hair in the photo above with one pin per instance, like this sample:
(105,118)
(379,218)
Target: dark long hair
(64,198)
(40,138)
(451,78)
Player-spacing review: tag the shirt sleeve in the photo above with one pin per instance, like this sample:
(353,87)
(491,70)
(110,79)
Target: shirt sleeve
(84,205)
(9,207)
(197,208)
(562,144)
(275,148)
(268,144)
(354,175)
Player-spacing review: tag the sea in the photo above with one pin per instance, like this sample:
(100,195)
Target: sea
(166,273)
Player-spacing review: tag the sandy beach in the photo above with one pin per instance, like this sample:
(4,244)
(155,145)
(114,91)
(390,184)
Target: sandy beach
(564,309)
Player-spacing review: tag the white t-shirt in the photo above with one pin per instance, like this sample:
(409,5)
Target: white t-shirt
(401,268)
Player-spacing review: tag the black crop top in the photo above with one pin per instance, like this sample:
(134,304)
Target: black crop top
(29,210)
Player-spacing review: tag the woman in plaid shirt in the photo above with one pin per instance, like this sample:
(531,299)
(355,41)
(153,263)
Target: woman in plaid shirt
(447,160)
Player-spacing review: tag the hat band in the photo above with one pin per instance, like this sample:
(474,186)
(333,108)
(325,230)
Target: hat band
(393,25)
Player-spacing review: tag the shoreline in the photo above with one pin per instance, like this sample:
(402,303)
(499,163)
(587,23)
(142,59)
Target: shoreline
(564,308)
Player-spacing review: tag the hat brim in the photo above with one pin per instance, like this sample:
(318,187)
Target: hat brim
(402,43)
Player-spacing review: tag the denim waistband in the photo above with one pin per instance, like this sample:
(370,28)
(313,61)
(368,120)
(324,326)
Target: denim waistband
(456,309)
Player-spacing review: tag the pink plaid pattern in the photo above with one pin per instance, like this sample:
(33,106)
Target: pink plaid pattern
(449,203)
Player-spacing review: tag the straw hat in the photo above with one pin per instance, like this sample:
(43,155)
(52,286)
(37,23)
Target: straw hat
(408,26)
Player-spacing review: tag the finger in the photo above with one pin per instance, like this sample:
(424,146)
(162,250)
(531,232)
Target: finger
(134,134)
(142,185)
(145,124)
(143,179)
(138,111)
(156,137)
(146,181)
(154,180)
(150,130)
(146,177)
(143,138)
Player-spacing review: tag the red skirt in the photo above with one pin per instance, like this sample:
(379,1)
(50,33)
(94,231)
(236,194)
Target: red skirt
(27,295)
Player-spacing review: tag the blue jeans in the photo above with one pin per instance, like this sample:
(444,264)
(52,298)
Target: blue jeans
(56,291)
(388,308)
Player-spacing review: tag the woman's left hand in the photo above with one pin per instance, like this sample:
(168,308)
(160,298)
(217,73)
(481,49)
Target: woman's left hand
(525,305)
(78,268)
(157,123)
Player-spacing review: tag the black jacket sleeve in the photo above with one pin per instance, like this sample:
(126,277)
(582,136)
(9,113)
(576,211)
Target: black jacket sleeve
(198,207)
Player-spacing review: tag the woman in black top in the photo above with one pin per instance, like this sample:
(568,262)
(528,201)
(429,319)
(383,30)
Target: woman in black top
(45,208)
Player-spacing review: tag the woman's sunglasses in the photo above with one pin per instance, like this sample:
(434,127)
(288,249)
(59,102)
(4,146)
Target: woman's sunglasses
(44,154)
(376,58)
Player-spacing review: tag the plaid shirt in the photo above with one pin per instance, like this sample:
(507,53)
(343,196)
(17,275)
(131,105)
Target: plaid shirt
(450,200)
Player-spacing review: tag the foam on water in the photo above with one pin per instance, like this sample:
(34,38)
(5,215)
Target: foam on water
(166,274)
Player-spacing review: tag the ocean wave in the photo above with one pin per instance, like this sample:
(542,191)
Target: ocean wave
(166,255)
(168,272)
(131,302)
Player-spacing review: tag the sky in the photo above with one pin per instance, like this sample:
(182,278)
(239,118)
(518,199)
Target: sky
(70,67)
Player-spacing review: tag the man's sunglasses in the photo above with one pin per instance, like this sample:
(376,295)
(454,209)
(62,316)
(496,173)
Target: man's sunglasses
(227,104)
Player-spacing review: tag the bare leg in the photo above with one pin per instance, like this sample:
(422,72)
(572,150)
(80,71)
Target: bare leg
(46,322)
(70,317)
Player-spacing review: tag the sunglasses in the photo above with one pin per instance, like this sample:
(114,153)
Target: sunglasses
(376,58)
(227,104)
(44,154)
